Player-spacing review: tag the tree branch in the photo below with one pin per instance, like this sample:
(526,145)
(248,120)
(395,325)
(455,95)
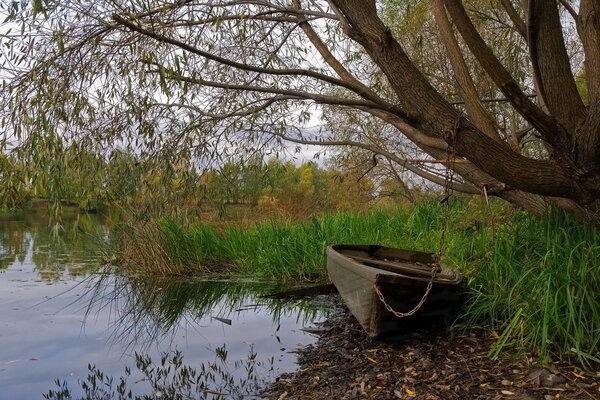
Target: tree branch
(246,67)
(266,103)
(547,127)
(464,188)
(333,62)
(552,65)
(569,9)
(514,16)
(588,26)
(466,88)
(292,93)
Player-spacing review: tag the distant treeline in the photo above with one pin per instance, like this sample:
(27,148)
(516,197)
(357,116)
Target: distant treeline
(122,179)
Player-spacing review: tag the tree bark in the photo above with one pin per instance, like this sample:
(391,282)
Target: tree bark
(432,113)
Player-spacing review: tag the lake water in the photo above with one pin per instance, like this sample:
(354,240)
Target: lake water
(59,313)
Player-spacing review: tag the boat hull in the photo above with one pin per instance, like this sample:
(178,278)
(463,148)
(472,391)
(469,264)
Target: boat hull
(357,282)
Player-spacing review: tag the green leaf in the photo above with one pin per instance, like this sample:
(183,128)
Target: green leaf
(38,7)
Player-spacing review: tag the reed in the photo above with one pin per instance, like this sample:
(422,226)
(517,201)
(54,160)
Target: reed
(537,285)
(534,281)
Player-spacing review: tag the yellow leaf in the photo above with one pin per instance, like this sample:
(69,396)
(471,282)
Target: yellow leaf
(409,392)
(494,334)
(578,375)
(372,350)
(372,360)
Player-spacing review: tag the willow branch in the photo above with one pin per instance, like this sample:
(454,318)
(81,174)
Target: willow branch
(552,67)
(500,75)
(514,16)
(332,61)
(292,93)
(415,135)
(246,67)
(461,187)
(466,87)
(569,9)
(240,112)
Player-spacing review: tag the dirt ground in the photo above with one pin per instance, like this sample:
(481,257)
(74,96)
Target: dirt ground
(422,365)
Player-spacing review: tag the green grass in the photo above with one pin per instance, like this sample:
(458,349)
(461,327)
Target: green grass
(289,251)
(535,282)
(539,287)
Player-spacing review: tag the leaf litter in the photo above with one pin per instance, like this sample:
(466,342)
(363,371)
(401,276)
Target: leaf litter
(421,365)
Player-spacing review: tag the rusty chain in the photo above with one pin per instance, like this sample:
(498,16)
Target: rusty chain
(448,178)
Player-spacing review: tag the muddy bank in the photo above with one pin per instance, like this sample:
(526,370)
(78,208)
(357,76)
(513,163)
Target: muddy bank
(423,365)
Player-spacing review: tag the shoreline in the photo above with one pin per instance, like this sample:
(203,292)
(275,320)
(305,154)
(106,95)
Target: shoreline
(345,363)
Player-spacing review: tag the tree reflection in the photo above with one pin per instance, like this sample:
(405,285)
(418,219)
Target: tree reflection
(149,310)
(55,252)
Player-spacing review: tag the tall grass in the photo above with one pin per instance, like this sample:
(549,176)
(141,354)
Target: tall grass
(273,250)
(535,282)
(539,287)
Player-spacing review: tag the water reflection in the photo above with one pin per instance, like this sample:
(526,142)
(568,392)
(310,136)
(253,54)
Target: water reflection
(151,310)
(60,312)
(70,249)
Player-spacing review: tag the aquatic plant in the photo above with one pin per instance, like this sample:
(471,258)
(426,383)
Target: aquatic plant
(170,379)
(148,311)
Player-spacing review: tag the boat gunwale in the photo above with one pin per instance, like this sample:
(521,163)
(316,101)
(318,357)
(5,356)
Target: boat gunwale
(378,275)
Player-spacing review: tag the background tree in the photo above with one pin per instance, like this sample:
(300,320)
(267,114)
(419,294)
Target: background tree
(187,75)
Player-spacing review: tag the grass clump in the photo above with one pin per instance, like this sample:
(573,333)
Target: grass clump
(538,286)
(534,281)
(277,249)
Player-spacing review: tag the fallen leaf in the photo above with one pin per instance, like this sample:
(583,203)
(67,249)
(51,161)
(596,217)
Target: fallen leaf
(507,393)
(409,392)
(578,375)
(372,360)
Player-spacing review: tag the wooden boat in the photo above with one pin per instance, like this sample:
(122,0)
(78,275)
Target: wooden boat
(402,277)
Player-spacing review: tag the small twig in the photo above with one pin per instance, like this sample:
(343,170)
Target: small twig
(567,377)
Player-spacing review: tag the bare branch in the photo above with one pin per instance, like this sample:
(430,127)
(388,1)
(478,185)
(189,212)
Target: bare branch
(464,188)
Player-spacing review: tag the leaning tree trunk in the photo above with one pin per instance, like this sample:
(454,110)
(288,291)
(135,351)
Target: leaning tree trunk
(571,174)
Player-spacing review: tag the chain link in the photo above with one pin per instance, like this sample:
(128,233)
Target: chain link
(448,179)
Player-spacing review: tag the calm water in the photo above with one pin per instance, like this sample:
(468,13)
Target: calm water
(58,314)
